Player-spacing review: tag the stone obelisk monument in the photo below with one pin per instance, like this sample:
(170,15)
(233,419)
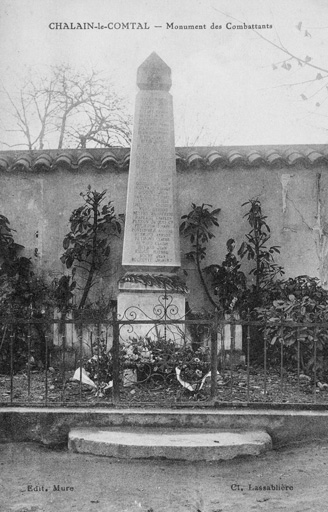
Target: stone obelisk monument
(151,250)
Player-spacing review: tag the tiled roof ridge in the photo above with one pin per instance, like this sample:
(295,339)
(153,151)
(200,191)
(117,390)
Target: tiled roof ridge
(203,156)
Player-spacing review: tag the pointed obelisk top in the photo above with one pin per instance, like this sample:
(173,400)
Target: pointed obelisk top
(154,74)
(151,236)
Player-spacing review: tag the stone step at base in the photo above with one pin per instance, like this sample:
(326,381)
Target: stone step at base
(173,444)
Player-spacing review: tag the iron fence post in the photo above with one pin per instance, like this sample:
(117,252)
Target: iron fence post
(11,364)
(298,361)
(281,367)
(214,355)
(248,339)
(265,363)
(46,369)
(315,365)
(63,372)
(81,352)
(29,354)
(116,358)
(223,350)
(230,360)
(98,359)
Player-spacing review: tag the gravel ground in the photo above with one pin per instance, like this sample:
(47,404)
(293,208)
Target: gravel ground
(110,485)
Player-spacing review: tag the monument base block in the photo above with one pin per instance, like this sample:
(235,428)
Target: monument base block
(151,296)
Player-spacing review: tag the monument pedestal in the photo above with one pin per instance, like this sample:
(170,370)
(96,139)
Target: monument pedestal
(151,296)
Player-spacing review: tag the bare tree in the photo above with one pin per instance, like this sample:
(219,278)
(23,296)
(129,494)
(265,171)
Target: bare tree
(309,77)
(313,87)
(68,109)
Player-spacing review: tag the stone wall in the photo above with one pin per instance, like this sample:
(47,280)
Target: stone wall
(294,197)
(295,201)
(39,206)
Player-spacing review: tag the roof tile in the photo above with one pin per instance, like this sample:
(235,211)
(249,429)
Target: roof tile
(201,156)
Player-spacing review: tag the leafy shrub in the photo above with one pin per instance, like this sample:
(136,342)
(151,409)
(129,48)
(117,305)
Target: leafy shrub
(197,226)
(228,281)
(87,246)
(23,294)
(256,249)
(30,298)
(298,300)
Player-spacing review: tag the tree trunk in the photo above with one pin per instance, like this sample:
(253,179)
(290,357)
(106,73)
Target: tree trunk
(62,131)
(87,288)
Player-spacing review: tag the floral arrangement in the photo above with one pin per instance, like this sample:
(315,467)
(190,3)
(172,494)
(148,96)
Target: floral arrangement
(100,366)
(153,360)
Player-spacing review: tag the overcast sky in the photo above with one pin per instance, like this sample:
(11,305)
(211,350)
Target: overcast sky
(225,89)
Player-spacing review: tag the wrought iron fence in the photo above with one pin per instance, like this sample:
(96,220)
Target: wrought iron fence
(91,360)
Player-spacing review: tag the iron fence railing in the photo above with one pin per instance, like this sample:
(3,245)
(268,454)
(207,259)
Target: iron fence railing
(250,368)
